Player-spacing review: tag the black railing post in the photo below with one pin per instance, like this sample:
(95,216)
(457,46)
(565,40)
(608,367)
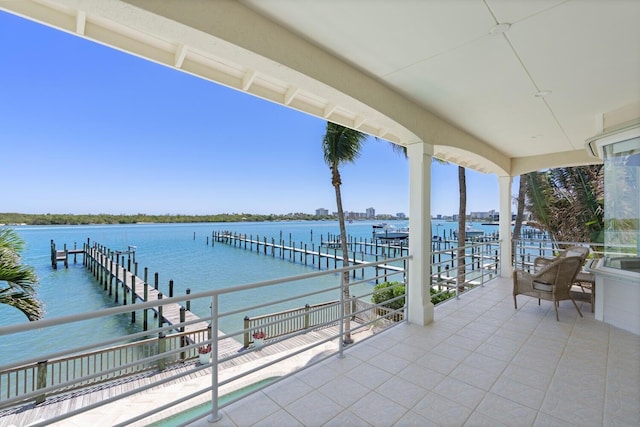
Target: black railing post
(246,339)
(42,380)
(162,347)
(307,319)
(183,338)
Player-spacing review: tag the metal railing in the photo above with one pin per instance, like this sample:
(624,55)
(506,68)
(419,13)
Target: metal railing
(59,372)
(282,323)
(527,250)
(480,263)
(63,374)
(46,374)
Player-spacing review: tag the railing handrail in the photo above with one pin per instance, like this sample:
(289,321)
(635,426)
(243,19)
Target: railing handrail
(287,321)
(66,367)
(5,330)
(25,327)
(213,294)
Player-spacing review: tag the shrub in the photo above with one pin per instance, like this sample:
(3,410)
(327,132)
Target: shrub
(442,297)
(389,290)
(383,292)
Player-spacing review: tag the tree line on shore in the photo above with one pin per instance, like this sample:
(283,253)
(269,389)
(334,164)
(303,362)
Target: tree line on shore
(86,219)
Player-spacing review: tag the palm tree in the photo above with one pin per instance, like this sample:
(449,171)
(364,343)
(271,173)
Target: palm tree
(342,145)
(522,189)
(21,279)
(462,219)
(568,202)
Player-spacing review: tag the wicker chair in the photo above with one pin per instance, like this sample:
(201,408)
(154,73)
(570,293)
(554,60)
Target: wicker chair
(552,283)
(583,280)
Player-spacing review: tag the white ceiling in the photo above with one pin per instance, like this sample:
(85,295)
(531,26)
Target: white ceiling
(441,54)
(403,70)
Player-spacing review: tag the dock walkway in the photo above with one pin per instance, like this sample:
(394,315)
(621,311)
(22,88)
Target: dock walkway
(170,313)
(303,253)
(186,371)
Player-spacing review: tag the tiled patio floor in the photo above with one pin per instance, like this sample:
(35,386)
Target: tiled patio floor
(481,363)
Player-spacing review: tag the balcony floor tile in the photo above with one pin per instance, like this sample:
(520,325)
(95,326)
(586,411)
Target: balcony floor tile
(481,363)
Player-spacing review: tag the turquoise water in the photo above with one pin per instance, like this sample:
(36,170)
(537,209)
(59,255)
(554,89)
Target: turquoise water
(176,251)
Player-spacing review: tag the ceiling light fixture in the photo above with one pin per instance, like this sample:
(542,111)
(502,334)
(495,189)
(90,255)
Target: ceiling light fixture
(542,93)
(500,28)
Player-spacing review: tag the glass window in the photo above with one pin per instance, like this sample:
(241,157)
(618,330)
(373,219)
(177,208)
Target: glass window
(622,204)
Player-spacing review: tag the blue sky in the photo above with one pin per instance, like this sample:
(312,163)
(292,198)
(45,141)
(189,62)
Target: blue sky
(88,129)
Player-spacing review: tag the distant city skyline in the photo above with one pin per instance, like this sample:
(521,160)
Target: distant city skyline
(91,130)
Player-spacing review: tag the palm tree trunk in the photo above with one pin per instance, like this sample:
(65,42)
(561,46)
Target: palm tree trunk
(519,217)
(345,262)
(462,223)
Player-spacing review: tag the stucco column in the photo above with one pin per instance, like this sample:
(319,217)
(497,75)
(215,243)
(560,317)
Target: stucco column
(420,307)
(506,268)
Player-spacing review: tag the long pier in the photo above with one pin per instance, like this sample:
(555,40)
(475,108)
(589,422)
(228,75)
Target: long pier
(315,257)
(117,273)
(136,288)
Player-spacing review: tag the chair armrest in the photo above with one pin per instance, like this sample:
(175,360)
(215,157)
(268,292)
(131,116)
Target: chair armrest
(522,281)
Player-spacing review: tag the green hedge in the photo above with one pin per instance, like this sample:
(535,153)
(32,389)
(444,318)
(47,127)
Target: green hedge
(388,290)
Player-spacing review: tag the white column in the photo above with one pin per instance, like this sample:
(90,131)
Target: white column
(506,268)
(420,307)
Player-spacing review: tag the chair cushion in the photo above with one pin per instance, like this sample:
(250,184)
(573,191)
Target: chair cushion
(539,286)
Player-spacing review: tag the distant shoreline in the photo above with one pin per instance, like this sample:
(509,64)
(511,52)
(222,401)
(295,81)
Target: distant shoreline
(19,219)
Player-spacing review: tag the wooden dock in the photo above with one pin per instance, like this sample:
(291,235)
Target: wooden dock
(28,413)
(136,288)
(314,256)
(119,277)
(114,275)
(63,255)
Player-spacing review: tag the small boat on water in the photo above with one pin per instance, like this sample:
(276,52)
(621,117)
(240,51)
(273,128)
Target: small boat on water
(473,232)
(470,233)
(386,232)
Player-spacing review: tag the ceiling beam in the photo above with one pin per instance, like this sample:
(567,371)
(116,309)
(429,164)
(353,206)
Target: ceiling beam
(329,109)
(181,53)
(291,94)
(81,20)
(248,78)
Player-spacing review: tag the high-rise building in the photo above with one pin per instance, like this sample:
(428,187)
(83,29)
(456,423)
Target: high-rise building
(371,213)
(322,212)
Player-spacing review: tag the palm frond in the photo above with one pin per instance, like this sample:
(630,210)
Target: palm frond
(21,279)
(567,202)
(341,145)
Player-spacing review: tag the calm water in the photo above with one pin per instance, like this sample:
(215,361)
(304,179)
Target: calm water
(176,251)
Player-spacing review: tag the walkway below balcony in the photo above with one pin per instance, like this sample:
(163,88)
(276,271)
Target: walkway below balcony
(481,363)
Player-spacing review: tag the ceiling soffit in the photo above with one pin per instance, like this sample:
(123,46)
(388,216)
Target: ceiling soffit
(403,86)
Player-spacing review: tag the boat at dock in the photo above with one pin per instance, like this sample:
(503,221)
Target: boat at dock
(386,232)
(473,232)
